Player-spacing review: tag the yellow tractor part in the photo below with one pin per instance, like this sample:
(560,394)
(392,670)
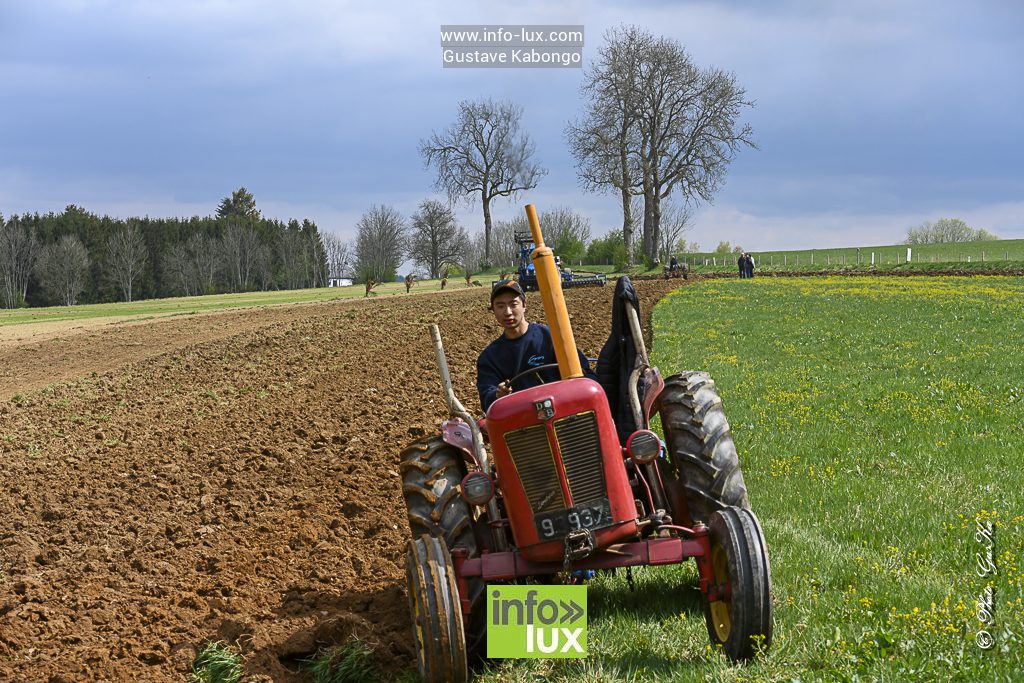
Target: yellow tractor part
(549,281)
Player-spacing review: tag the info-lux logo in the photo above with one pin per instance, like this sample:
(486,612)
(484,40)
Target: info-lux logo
(536,621)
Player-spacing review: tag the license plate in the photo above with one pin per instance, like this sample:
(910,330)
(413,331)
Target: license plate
(590,516)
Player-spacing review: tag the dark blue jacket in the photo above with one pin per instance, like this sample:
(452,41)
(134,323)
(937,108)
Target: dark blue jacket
(505,358)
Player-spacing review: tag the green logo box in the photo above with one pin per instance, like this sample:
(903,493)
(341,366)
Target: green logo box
(533,622)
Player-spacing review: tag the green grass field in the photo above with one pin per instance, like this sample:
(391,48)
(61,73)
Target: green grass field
(968,255)
(878,421)
(215,302)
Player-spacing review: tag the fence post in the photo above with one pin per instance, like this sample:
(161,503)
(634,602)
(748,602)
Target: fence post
(812,258)
(872,258)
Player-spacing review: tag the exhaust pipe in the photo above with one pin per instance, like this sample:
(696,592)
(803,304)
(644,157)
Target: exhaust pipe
(550,284)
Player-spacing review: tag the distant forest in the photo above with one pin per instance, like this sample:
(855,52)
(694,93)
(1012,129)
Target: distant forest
(78,257)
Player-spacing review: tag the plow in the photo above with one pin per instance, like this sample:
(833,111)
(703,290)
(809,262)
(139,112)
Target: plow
(567,478)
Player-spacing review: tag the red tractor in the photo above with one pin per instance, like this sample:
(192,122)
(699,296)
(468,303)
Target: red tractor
(566,487)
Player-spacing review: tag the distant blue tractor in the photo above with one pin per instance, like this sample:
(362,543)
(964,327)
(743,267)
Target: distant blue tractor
(528,277)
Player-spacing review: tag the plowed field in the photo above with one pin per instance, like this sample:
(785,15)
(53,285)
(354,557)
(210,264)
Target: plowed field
(229,476)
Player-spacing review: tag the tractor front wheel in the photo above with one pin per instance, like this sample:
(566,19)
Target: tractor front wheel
(706,468)
(432,472)
(740,619)
(437,633)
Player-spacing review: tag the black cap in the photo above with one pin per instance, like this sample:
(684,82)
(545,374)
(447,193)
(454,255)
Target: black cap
(506,285)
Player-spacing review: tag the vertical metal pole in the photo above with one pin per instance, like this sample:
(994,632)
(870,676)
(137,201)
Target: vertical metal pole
(550,284)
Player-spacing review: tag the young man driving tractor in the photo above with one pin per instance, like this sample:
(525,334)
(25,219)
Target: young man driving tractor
(560,489)
(522,345)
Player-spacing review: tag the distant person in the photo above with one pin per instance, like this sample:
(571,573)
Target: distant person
(741,263)
(673,264)
(750,266)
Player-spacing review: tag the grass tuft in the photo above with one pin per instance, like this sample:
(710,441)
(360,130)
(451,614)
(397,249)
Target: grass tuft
(217,663)
(348,663)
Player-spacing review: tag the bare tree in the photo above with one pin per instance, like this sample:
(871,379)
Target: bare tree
(673,125)
(339,256)
(18,247)
(946,230)
(300,252)
(689,129)
(566,231)
(504,250)
(379,244)
(437,240)
(239,247)
(262,267)
(472,259)
(205,257)
(179,267)
(316,256)
(675,221)
(292,253)
(483,155)
(605,143)
(126,258)
(61,269)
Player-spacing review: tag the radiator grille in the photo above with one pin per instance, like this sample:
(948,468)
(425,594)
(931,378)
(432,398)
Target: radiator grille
(535,463)
(580,445)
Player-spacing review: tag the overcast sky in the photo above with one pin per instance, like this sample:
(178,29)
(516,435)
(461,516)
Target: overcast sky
(870,116)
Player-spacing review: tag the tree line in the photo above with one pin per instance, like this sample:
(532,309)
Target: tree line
(79,257)
(438,245)
(946,230)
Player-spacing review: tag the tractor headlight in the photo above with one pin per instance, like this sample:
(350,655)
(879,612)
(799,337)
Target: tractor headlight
(477,488)
(643,446)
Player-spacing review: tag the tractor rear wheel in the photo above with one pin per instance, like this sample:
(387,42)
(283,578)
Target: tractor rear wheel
(706,468)
(432,471)
(741,621)
(437,634)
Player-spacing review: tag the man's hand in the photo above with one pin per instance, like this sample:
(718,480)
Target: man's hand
(504,389)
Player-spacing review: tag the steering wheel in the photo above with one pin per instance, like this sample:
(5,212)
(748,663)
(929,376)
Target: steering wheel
(537,370)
